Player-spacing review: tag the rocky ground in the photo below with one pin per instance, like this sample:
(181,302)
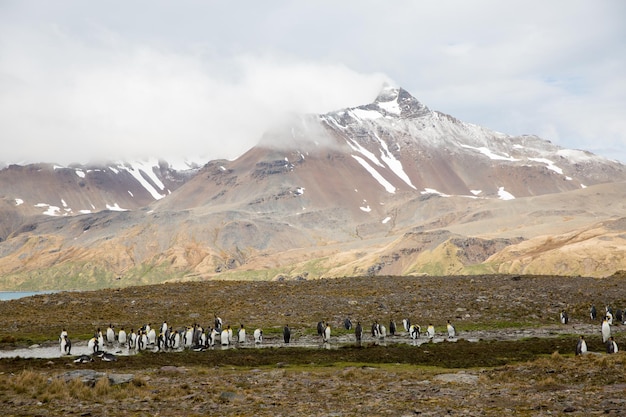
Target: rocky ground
(512,355)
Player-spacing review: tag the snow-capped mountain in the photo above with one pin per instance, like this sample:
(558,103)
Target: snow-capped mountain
(428,151)
(390,187)
(393,149)
(56,190)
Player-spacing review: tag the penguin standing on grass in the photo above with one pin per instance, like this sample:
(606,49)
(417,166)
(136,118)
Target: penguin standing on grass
(66,345)
(258,336)
(611,346)
(358,331)
(121,337)
(320,328)
(92,345)
(609,315)
(347,323)
(451,330)
(110,335)
(224,338)
(327,333)
(62,342)
(606,330)
(431,331)
(100,338)
(581,346)
(406,323)
(286,333)
(564,317)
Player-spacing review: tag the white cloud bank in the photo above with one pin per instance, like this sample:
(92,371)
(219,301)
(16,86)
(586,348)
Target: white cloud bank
(91,80)
(123,101)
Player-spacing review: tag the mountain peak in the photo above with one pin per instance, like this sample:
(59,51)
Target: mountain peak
(398,101)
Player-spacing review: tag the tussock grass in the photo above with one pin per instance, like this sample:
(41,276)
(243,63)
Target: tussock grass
(49,388)
(532,375)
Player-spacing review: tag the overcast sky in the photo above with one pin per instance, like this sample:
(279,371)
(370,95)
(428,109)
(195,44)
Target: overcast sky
(84,80)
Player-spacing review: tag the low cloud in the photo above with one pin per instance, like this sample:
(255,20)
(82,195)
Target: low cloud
(64,101)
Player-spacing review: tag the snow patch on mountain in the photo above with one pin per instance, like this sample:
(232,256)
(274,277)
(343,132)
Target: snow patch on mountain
(136,170)
(381,180)
(115,207)
(489,153)
(392,162)
(433,191)
(360,149)
(390,107)
(364,114)
(575,155)
(549,164)
(50,210)
(505,195)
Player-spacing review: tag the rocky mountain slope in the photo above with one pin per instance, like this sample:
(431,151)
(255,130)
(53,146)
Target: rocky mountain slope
(387,188)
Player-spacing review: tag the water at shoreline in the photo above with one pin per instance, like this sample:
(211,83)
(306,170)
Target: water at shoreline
(14,295)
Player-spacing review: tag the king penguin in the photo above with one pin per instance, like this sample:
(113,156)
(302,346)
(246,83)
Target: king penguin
(151,337)
(286,334)
(92,345)
(132,339)
(611,346)
(451,330)
(121,337)
(224,338)
(347,323)
(406,323)
(66,345)
(258,336)
(241,336)
(581,347)
(382,331)
(320,328)
(327,333)
(431,331)
(358,331)
(110,335)
(83,359)
(100,338)
(606,330)
(212,337)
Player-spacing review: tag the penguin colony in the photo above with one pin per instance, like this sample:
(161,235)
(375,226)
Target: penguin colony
(605,328)
(195,337)
(146,337)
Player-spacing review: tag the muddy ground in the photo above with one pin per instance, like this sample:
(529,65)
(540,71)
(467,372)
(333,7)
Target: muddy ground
(512,355)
